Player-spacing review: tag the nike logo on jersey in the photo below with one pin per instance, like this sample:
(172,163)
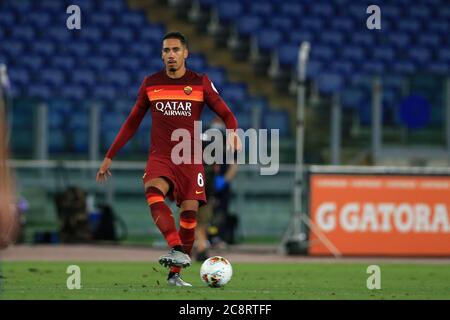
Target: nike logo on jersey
(198,192)
(157,90)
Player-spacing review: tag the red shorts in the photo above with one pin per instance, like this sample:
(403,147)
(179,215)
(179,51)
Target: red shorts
(187,181)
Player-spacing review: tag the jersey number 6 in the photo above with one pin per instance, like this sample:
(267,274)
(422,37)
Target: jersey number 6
(200,181)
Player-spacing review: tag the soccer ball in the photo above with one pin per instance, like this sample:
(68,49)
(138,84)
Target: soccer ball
(216,271)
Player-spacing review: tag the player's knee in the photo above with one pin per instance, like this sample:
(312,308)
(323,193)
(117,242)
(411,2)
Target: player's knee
(154,195)
(188,219)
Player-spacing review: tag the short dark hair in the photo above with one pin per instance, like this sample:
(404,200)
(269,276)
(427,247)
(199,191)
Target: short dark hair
(176,35)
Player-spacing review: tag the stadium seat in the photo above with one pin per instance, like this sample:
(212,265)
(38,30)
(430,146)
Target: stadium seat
(277,120)
(288,55)
(261,8)
(248,24)
(282,23)
(291,9)
(330,82)
(229,10)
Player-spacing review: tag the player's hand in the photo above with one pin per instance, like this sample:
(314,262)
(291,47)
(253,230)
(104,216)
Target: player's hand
(103,173)
(233,142)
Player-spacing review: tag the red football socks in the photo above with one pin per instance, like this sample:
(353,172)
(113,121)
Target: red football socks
(188,223)
(162,216)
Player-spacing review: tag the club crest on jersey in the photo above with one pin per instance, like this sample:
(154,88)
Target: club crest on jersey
(187,90)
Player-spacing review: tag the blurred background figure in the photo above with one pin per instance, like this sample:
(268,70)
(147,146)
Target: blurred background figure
(8,212)
(216,226)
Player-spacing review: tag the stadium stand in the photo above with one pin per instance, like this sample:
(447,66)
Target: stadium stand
(103,62)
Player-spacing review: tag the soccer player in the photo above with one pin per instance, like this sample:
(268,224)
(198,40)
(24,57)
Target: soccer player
(175,96)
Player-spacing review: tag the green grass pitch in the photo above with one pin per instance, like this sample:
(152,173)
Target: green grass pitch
(137,280)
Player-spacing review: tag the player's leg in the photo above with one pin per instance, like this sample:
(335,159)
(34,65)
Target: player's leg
(155,191)
(188,212)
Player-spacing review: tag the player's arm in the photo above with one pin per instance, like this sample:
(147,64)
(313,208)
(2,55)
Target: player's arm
(127,131)
(216,103)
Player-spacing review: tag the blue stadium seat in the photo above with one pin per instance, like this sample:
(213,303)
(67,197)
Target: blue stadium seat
(311,23)
(288,55)
(140,49)
(419,55)
(313,69)
(248,24)
(102,20)
(420,12)
(429,40)
(343,68)
(404,67)
(229,10)
(79,49)
(116,6)
(133,19)
(322,53)
(282,23)
(13,48)
(64,63)
(322,9)
(109,48)
(54,77)
(261,8)
(217,76)
(300,36)
(244,119)
(51,6)
(398,39)
(75,92)
(342,24)
(438,26)
(292,9)
(196,62)
(444,54)
(23,33)
(151,33)
(352,97)
(268,39)
(233,92)
(117,77)
(353,53)
(330,82)
(409,25)
(43,48)
(92,34)
(383,54)
(105,92)
(59,34)
(277,120)
(362,38)
(40,91)
(130,64)
(7,19)
(83,77)
(122,34)
(332,38)
(19,77)
(439,67)
(98,63)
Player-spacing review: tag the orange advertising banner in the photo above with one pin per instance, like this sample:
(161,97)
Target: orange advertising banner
(380,215)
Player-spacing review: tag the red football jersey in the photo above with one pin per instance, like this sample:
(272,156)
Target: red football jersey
(174,104)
